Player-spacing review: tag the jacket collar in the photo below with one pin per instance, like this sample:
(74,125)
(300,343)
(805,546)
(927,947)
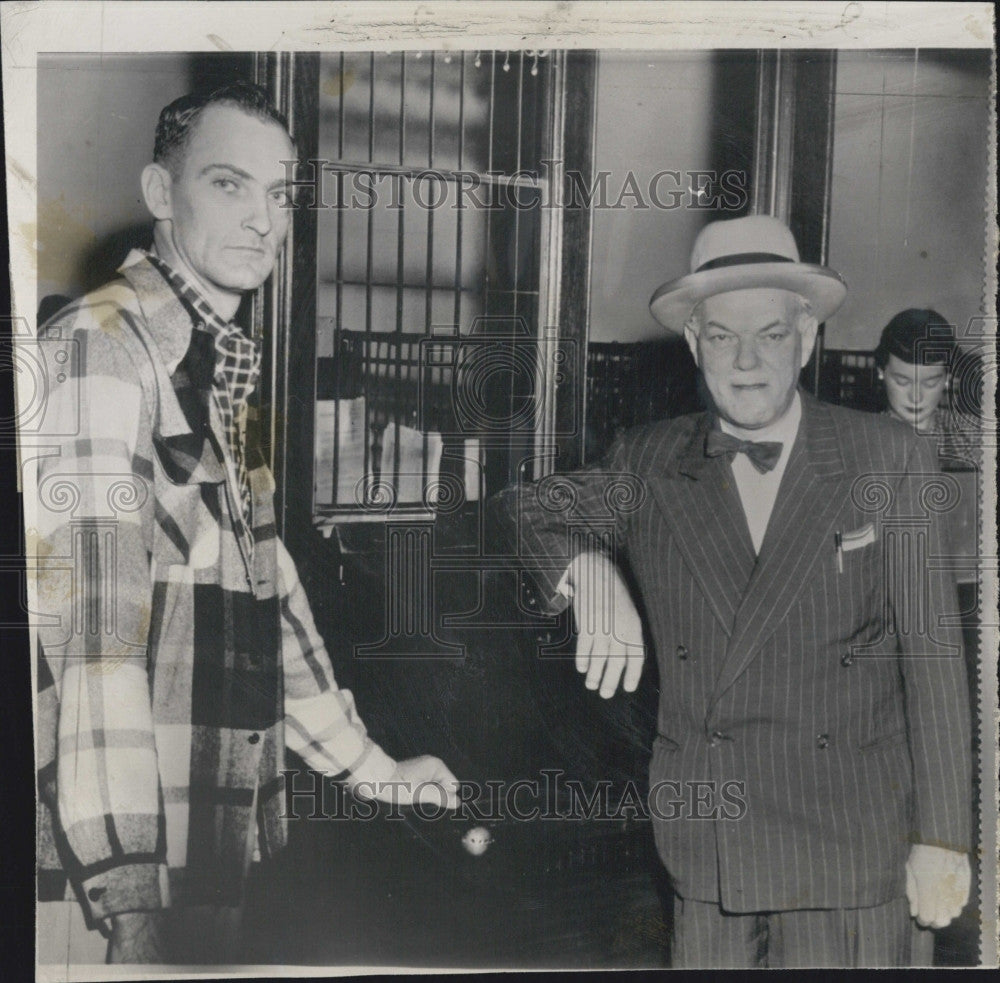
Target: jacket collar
(817,436)
(167,319)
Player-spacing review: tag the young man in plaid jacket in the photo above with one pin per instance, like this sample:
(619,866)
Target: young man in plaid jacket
(179,657)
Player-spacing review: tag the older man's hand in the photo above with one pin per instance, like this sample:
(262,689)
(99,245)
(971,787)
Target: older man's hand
(937,884)
(609,646)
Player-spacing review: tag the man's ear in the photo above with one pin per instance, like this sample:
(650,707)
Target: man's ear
(691,337)
(808,326)
(156,190)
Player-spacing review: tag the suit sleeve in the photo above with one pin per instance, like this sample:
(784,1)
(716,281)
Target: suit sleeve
(94,533)
(923,596)
(552,521)
(322,724)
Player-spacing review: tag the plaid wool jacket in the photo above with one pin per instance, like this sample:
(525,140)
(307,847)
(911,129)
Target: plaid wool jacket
(177,652)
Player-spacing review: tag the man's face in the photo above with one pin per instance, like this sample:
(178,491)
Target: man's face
(227,222)
(750,350)
(914,391)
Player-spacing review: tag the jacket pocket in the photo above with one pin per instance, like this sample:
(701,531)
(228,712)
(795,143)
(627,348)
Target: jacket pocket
(663,743)
(884,741)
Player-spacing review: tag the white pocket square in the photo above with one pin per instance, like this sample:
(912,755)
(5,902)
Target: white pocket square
(857,538)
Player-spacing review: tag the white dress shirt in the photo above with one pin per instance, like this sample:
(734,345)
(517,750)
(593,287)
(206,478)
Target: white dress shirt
(758,491)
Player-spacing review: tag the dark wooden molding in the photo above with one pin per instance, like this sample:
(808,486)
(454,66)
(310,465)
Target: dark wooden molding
(575,262)
(287,308)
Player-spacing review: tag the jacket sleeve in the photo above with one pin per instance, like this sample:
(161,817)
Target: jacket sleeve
(322,724)
(924,606)
(550,522)
(94,515)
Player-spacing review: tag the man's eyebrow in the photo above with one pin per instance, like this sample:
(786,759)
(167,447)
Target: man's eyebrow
(232,168)
(722,327)
(774,324)
(239,172)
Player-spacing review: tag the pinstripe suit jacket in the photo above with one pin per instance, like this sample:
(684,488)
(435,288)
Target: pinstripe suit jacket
(831,690)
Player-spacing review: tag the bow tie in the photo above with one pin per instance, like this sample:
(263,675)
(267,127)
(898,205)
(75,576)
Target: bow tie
(763,454)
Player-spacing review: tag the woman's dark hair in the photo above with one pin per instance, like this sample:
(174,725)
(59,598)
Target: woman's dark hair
(919,337)
(177,121)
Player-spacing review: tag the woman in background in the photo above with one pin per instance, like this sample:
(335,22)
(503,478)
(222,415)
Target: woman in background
(915,359)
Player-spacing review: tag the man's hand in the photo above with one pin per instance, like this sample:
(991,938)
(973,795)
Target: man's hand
(137,937)
(609,630)
(937,884)
(424,779)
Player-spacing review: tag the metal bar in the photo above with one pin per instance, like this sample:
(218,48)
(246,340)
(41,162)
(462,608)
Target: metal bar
(402,107)
(517,168)
(441,174)
(370,466)
(391,284)
(338,328)
(340,116)
(339,302)
(459,215)
(429,299)
(400,274)
(489,167)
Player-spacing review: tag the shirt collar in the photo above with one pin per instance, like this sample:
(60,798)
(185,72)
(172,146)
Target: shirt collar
(783,430)
(204,315)
(173,309)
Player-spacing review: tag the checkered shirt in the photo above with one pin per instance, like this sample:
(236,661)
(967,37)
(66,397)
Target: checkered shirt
(237,367)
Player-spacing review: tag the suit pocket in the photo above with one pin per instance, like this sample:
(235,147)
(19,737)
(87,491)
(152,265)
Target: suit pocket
(857,539)
(884,741)
(663,743)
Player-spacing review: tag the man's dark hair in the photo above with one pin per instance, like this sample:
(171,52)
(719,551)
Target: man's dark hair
(177,121)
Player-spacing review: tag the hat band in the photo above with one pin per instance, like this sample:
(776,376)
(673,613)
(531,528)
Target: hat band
(743,259)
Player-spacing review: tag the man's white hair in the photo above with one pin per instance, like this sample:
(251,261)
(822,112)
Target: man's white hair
(797,309)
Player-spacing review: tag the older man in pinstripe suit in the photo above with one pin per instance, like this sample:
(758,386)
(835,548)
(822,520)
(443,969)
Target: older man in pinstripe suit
(782,554)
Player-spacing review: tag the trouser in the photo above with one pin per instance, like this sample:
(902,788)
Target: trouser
(195,935)
(705,936)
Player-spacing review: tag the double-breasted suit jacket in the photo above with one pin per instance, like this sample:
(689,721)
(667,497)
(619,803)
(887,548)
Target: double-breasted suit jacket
(827,682)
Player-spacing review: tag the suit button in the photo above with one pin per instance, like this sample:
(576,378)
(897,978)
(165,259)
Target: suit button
(822,741)
(847,659)
(254,738)
(682,652)
(717,737)
(96,893)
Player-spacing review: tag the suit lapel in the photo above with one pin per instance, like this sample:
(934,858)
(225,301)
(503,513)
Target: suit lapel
(702,506)
(799,534)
